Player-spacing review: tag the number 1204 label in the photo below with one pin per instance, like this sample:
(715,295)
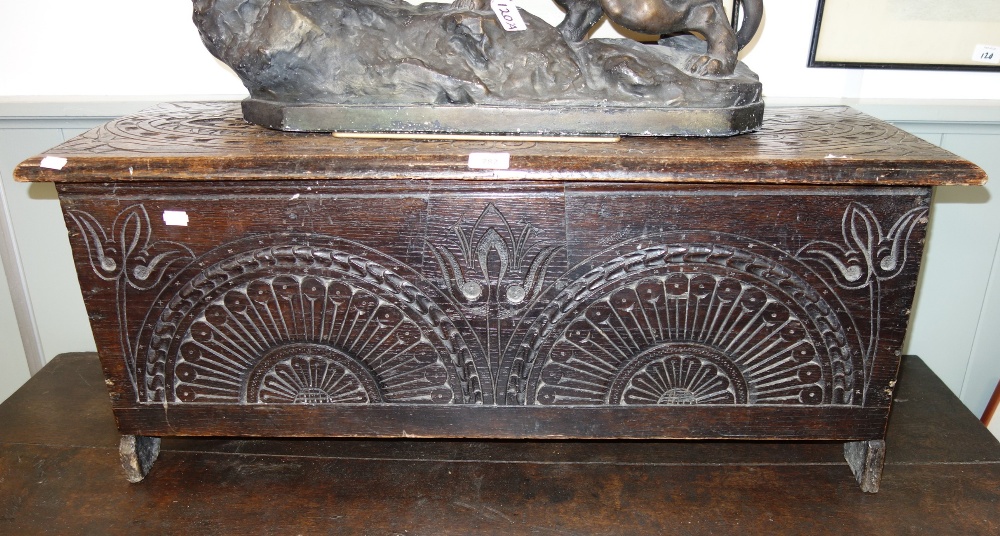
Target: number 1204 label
(508,15)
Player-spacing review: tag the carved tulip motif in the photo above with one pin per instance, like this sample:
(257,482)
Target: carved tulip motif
(867,257)
(496,261)
(500,272)
(868,254)
(128,254)
(130,257)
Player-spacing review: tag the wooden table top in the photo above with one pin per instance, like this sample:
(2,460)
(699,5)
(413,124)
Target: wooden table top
(211,142)
(59,473)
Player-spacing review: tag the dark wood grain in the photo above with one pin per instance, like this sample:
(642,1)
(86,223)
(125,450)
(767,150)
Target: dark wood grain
(38,413)
(755,287)
(59,474)
(507,422)
(917,403)
(780,239)
(210,141)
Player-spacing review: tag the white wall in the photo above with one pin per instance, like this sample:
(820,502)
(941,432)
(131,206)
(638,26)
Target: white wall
(781,52)
(55,309)
(955,321)
(106,48)
(13,365)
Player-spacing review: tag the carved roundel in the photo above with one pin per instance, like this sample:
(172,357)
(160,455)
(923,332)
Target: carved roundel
(310,373)
(689,324)
(679,373)
(304,324)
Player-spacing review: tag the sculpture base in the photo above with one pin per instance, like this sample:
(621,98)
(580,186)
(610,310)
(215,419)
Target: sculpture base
(487,119)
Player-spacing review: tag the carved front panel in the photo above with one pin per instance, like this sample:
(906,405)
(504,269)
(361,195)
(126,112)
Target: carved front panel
(688,323)
(296,318)
(540,296)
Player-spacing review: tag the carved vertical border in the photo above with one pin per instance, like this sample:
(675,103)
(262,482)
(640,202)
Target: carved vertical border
(867,258)
(128,256)
(499,271)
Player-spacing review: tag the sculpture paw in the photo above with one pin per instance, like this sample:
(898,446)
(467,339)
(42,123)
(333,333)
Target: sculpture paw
(709,66)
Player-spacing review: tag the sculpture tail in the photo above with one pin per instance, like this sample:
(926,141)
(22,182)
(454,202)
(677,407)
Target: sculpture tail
(752,12)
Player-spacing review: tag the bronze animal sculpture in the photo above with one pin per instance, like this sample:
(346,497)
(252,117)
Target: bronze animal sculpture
(393,66)
(665,17)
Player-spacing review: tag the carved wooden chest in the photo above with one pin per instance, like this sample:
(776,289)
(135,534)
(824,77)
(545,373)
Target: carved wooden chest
(247,282)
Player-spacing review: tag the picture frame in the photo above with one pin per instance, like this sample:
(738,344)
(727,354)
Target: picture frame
(991,407)
(961,35)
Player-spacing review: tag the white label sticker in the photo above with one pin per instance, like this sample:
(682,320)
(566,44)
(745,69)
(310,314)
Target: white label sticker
(53,162)
(489,160)
(508,15)
(175,217)
(987,54)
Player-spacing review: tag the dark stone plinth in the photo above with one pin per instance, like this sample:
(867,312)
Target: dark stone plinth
(456,119)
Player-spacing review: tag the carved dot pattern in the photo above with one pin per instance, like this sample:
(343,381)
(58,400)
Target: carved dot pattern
(685,327)
(330,336)
(225,343)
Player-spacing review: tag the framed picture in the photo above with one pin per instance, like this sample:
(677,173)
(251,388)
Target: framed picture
(907,34)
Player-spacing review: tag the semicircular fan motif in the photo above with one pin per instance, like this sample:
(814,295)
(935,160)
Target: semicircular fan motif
(691,324)
(679,374)
(310,374)
(331,328)
(679,380)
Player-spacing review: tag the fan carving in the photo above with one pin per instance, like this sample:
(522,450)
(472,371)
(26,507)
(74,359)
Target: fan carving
(304,373)
(687,324)
(330,328)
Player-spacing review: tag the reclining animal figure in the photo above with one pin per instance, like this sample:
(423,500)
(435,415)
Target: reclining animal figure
(666,17)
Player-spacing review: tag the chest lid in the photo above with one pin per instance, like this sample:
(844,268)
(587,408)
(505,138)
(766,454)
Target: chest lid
(210,141)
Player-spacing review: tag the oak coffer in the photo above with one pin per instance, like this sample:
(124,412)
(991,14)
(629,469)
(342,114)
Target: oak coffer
(247,282)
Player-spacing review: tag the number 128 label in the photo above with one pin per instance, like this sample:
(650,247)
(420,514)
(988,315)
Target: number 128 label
(987,54)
